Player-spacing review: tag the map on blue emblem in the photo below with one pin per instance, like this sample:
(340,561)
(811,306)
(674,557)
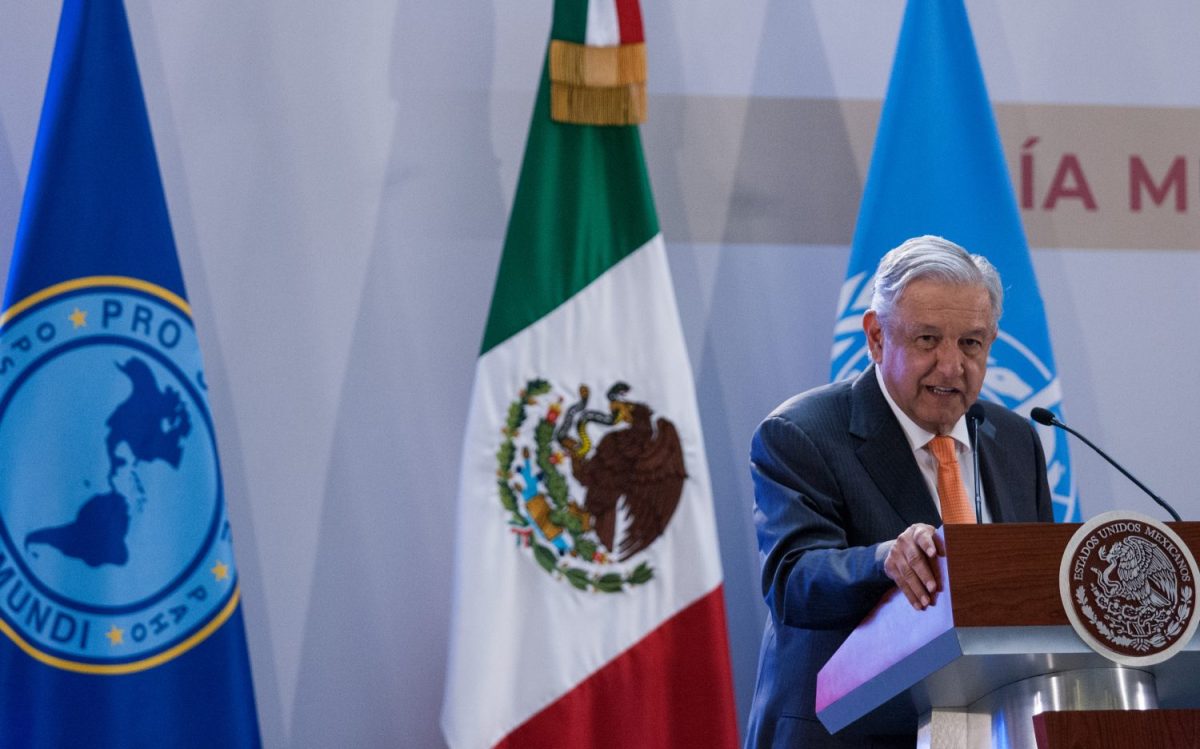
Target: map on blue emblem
(150,425)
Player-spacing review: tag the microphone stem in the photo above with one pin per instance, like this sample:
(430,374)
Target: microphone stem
(974,424)
(1127,474)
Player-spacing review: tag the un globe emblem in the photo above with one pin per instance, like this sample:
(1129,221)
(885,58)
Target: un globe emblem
(115,553)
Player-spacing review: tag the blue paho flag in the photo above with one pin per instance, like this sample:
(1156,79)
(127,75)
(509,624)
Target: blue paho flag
(120,623)
(938,168)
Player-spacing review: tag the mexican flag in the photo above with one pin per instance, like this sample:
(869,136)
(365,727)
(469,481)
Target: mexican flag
(588,604)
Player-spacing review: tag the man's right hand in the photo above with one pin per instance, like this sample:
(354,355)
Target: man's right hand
(911,562)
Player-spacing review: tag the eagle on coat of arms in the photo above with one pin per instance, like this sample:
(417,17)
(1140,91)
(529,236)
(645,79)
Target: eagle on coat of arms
(641,464)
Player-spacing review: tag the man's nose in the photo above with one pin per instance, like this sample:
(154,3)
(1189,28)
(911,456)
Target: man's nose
(949,359)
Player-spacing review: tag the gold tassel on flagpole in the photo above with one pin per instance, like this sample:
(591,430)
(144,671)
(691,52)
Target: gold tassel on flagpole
(597,85)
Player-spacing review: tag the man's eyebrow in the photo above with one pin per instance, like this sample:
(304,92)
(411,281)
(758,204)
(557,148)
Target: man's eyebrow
(922,328)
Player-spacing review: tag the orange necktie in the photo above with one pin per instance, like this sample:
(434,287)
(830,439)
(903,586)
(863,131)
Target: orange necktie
(953,494)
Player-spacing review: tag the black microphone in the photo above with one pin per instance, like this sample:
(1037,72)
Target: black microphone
(1046,417)
(975,417)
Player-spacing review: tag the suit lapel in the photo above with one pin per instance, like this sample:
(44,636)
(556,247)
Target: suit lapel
(999,497)
(886,455)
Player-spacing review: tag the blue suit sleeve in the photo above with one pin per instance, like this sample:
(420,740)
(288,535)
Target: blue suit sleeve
(811,576)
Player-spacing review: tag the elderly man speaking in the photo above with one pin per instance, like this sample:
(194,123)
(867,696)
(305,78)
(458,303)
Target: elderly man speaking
(851,479)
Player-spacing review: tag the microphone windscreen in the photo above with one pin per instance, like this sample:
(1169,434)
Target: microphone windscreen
(1042,416)
(975,413)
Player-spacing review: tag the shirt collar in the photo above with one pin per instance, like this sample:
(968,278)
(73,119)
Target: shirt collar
(919,437)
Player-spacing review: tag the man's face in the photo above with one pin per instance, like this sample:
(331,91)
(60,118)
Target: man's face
(933,350)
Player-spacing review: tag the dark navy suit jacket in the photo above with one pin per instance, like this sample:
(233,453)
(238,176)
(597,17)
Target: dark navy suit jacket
(834,477)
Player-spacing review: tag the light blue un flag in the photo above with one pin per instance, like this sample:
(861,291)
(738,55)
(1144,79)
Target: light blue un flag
(120,623)
(938,168)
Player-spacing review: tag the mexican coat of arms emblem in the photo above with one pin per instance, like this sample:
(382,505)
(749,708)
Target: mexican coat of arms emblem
(586,490)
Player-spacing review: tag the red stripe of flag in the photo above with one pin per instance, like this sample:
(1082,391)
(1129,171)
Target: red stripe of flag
(671,689)
(629,18)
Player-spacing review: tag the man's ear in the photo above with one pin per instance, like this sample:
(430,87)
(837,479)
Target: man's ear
(873,327)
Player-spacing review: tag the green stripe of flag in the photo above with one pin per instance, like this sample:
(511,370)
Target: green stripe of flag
(583,202)
(570,21)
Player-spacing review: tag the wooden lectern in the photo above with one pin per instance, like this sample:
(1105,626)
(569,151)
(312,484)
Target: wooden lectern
(994,650)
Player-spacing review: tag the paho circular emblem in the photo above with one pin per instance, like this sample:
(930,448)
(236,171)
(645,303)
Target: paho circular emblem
(115,554)
(587,490)
(1128,583)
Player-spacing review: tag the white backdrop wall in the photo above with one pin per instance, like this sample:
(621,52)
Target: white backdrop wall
(339,177)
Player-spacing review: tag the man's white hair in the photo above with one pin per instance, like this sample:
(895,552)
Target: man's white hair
(935,258)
